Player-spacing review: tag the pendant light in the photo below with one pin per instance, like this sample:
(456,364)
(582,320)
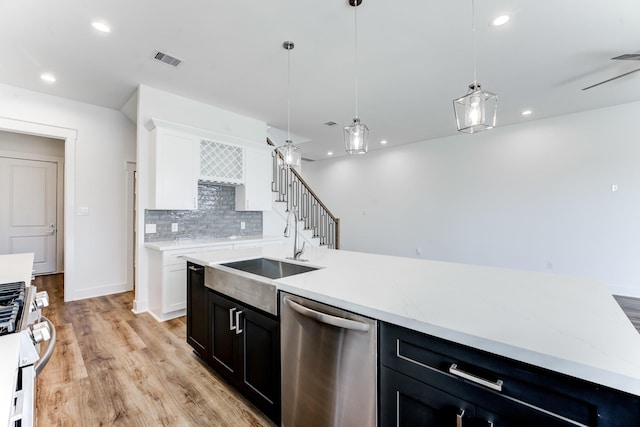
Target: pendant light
(356,135)
(476,111)
(289,151)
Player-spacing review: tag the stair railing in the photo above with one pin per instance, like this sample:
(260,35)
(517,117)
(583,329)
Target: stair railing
(293,190)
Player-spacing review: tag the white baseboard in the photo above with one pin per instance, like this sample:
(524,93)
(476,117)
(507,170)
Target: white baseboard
(100,291)
(624,291)
(140,306)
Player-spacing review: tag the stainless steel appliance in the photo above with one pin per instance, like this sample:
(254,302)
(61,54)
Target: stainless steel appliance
(23,326)
(328,365)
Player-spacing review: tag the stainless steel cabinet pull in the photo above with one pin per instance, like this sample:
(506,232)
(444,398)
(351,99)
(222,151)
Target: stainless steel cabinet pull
(340,322)
(238,329)
(232,327)
(196,269)
(459,418)
(497,386)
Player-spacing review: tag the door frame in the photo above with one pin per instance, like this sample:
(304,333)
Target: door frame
(59,197)
(69,136)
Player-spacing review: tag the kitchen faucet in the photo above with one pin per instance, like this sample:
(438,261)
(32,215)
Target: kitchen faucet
(296,253)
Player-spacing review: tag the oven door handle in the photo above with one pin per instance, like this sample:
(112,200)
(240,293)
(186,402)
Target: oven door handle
(40,364)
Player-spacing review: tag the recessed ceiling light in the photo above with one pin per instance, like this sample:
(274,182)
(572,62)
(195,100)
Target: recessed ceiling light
(101,26)
(500,20)
(527,112)
(48,77)
(384,141)
(330,153)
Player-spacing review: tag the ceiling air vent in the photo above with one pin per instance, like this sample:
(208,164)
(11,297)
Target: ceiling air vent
(167,59)
(330,123)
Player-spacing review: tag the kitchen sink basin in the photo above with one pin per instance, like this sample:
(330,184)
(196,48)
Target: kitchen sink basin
(271,268)
(258,292)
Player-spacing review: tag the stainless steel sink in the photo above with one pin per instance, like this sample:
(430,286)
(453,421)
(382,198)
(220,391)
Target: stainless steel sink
(271,268)
(257,291)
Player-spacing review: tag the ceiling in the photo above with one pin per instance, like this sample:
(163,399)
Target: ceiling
(414,58)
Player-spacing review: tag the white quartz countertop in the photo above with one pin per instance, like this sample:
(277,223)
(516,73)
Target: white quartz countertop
(169,245)
(566,324)
(13,268)
(16,268)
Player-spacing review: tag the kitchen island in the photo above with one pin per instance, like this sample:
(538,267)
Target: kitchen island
(456,343)
(565,324)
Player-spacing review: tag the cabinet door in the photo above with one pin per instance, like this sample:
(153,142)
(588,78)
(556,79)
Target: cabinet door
(223,337)
(197,314)
(175,164)
(174,291)
(407,402)
(255,194)
(260,371)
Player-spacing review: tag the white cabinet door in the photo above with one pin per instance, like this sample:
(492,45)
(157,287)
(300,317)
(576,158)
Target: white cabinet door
(174,288)
(255,194)
(175,160)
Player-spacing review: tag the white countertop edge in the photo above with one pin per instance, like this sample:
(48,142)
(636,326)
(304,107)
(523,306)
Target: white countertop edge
(169,245)
(571,368)
(9,360)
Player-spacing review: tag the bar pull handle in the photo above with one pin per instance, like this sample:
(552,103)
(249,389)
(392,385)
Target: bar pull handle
(238,329)
(196,269)
(328,319)
(497,386)
(232,326)
(40,364)
(459,416)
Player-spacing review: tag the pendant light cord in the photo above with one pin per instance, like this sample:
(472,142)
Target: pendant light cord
(288,94)
(473,27)
(355,18)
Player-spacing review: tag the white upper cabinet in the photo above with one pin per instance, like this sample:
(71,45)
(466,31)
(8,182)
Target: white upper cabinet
(174,169)
(181,155)
(255,194)
(222,162)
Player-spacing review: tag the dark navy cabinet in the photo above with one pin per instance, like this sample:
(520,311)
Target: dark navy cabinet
(433,382)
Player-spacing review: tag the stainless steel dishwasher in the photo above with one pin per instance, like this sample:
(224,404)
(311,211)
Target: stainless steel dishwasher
(329,372)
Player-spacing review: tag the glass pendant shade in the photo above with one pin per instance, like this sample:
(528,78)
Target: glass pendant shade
(476,111)
(290,155)
(356,137)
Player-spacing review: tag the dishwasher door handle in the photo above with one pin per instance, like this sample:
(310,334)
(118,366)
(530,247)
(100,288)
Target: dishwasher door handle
(328,319)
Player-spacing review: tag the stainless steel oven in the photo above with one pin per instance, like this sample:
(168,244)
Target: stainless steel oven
(22,329)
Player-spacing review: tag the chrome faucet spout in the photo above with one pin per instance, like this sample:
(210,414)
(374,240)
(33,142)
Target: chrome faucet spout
(296,253)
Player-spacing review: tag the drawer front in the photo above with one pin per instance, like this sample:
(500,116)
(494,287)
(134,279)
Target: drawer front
(176,257)
(485,377)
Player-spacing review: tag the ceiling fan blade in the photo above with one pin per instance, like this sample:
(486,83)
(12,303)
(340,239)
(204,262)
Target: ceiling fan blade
(629,56)
(611,79)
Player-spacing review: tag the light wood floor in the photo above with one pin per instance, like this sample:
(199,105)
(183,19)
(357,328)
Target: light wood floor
(114,368)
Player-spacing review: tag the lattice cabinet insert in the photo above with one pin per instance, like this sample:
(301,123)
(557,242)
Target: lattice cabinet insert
(221,162)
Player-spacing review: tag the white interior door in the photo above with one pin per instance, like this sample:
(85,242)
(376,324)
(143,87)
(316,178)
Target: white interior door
(28,210)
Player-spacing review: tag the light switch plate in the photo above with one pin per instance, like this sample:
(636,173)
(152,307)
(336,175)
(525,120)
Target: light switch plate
(83,211)
(149,228)
(174,227)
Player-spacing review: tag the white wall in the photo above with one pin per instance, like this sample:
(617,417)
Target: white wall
(154,103)
(104,140)
(535,196)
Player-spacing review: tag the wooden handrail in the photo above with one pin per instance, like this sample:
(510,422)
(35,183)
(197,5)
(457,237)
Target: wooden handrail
(310,221)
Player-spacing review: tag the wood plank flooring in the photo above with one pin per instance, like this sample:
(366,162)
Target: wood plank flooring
(111,367)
